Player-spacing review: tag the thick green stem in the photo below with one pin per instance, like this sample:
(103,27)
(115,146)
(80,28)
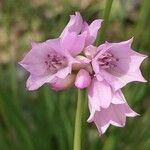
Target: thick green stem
(78,121)
(105,23)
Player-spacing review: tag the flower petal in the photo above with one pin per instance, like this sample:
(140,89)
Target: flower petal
(73,43)
(62,73)
(35,82)
(99,95)
(90,51)
(58,84)
(92,30)
(55,44)
(129,60)
(34,59)
(74,25)
(118,98)
(115,114)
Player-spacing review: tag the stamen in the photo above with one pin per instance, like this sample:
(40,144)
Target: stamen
(55,62)
(107,60)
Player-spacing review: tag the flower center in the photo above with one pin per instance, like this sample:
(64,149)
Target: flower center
(107,60)
(55,62)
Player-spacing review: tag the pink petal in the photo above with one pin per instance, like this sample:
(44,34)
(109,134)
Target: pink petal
(129,77)
(85,26)
(83,79)
(79,44)
(62,73)
(92,31)
(33,60)
(74,25)
(73,43)
(118,98)
(58,84)
(129,60)
(115,114)
(55,44)
(95,66)
(99,95)
(35,82)
(90,51)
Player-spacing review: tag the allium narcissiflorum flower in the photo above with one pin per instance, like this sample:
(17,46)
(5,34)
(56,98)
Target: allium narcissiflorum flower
(106,106)
(47,61)
(117,63)
(114,65)
(71,59)
(77,27)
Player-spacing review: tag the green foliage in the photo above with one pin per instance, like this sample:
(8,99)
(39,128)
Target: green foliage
(44,119)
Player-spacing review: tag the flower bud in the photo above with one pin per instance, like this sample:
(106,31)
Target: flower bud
(61,84)
(83,79)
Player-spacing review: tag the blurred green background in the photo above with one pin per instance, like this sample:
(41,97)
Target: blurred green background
(44,119)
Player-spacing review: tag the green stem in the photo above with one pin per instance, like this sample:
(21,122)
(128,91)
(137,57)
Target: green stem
(78,121)
(105,23)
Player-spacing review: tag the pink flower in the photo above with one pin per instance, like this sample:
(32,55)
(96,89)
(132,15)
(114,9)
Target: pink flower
(78,31)
(116,63)
(47,61)
(114,114)
(106,106)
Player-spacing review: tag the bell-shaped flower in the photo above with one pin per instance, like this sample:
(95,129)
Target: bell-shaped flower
(115,115)
(106,106)
(78,34)
(117,63)
(47,61)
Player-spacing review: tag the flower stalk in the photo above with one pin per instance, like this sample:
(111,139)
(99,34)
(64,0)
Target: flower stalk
(78,121)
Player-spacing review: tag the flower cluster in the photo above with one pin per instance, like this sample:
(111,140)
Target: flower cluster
(71,59)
